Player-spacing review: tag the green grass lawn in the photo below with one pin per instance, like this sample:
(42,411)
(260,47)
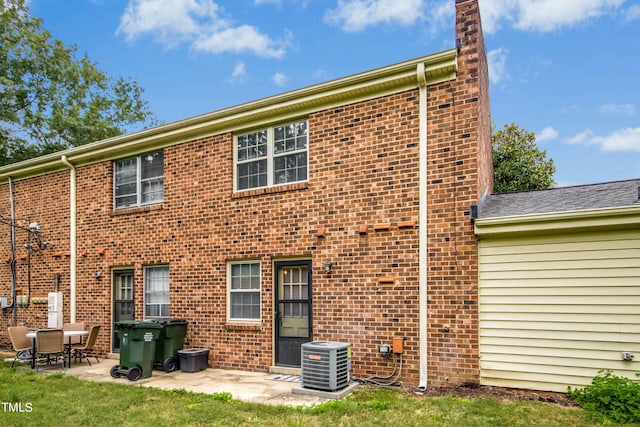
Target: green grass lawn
(58,399)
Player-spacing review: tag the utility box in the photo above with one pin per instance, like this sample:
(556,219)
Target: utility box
(326,365)
(193,359)
(54,317)
(398,344)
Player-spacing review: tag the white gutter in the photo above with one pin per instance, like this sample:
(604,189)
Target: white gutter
(552,222)
(72,238)
(422,230)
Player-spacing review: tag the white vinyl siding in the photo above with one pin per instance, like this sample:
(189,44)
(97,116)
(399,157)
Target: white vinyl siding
(555,309)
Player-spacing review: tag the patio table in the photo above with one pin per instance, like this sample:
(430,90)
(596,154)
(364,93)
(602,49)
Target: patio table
(67,334)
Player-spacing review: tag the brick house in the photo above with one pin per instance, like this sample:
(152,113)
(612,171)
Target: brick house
(339,211)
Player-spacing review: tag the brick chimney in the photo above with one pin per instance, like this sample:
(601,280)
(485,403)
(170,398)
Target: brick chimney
(473,66)
(460,173)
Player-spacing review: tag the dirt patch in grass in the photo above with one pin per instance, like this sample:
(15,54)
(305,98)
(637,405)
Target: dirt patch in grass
(475,391)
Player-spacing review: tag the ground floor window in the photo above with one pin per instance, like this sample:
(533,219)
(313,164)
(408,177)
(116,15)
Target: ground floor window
(156,291)
(243,302)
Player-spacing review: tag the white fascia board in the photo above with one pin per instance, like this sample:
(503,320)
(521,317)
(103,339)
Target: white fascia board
(604,218)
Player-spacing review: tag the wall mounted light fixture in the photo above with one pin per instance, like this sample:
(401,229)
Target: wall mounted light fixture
(327,267)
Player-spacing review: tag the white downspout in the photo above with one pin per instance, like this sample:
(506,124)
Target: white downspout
(422,229)
(13,255)
(72,239)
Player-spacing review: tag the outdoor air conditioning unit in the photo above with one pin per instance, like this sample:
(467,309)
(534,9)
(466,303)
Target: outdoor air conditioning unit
(326,365)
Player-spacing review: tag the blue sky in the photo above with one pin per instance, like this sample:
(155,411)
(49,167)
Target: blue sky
(568,70)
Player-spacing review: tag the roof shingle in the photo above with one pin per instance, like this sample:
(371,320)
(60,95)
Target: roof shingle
(562,199)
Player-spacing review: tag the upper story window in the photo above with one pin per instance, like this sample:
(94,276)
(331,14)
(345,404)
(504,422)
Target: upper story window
(273,156)
(139,180)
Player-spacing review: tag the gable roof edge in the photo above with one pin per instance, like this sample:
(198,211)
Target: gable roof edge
(569,221)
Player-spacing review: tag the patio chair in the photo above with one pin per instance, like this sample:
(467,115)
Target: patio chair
(21,344)
(78,326)
(81,351)
(50,343)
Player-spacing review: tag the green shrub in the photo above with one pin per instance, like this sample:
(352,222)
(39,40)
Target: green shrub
(222,396)
(610,397)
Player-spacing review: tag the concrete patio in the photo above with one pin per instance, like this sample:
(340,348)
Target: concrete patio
(255,387)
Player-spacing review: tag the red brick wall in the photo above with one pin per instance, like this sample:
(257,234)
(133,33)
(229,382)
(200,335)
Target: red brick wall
(45,200)
(363,170)
(460,171)
(473,65)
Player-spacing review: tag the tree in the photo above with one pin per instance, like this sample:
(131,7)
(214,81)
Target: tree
(518,164)
(52,100)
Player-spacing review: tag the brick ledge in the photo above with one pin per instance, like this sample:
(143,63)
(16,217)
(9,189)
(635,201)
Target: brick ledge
(141,209)
(243,327)
(269,190)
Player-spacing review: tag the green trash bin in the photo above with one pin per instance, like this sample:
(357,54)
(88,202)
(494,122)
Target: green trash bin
(169,343)
(137,349)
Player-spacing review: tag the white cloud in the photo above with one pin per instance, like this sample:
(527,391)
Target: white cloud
(440,16)
(493,12)
(546,134)
(239,70)
(632,13)
(280,79)
(497,60)
(625,140)
(239,73)
(244,38)
(585,137)
(198,23)
(321,74)
(169,21)
(620,109)
(542,15)
(356,15)
(570,109)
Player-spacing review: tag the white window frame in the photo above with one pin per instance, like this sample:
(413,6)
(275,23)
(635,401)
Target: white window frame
(231,291)
(139,182)
(166,287)
(270,156)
